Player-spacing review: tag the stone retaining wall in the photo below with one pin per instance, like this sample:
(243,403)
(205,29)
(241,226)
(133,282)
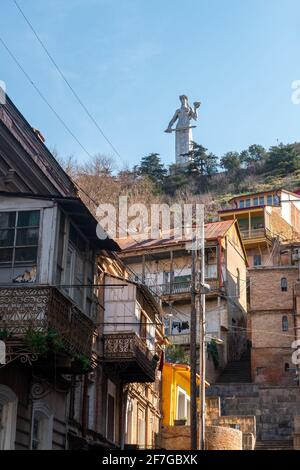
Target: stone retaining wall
(273,407)
(217,438)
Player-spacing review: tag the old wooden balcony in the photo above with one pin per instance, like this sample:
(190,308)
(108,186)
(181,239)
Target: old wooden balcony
(253,233)
(43,309)
(182,290)
(128,355)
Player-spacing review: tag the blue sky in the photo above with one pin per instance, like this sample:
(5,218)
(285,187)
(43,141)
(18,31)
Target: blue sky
(130,59)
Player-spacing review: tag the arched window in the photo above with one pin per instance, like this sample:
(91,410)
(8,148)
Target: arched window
(41,427)
(284,284)
(8,418)
(285,323)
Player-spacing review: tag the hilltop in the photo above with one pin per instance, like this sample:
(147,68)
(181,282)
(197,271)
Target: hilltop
(207,178)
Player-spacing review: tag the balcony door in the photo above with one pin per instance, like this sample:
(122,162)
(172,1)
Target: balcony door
(168,279)
(74,277)
(8,417)
(141,428)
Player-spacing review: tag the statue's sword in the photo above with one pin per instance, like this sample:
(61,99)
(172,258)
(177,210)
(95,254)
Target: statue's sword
(182,129)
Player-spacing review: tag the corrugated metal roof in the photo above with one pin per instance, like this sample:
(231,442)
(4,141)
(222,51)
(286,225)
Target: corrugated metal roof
(213,231)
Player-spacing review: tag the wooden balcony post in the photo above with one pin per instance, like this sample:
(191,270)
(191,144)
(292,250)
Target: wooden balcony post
(171,272)
(249,221)
(143,268)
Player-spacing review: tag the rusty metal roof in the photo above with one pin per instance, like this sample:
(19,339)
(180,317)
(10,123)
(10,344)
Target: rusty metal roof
(213,231)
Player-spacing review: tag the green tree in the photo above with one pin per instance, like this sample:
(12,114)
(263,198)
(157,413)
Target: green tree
(254,157)
(282,159)
(152,167)
(176,354)
(231,162)
(201,163)
(176,179)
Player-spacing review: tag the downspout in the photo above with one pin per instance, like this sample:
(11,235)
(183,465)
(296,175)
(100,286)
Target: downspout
(296,330)
(172,404)
(124,398)
(220,262)
(84,406)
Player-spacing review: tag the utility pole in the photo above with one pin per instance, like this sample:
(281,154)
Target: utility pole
(193,351)
(202,343)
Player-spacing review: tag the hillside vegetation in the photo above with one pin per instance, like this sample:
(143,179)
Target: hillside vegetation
(206,178)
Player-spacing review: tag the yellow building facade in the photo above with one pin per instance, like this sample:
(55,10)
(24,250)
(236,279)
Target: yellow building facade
(176,394)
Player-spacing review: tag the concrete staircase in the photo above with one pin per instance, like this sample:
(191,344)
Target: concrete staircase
(236,372)
(274,445)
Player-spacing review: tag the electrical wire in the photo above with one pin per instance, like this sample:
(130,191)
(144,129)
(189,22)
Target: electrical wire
(44,98)
(70,132)
(75,94)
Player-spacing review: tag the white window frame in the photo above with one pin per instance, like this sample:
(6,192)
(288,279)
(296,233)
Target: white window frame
(14,264)
(9,401)
(187,398)
(47,426)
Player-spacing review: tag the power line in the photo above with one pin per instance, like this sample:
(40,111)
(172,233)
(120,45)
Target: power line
(44,98)
(75,94)
(62,122)
(272,332)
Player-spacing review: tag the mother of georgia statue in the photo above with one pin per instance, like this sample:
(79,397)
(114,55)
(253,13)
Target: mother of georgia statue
(183,131)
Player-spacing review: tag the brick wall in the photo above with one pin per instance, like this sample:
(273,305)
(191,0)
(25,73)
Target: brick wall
(266,291)
(271,355)
(268,366)
(220,438)
(217,438)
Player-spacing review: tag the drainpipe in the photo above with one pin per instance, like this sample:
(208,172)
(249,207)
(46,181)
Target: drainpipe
(296,327)
(220,262)
(124,392)
(84,406)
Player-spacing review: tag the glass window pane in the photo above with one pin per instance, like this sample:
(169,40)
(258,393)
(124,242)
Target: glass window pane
(36,434)
(26,255)
(261,200)
(242,204)
(7,219)
(255,201)
(6,255)
(27,236)
(248,202)
(79,270)
(73,235)
(28,219)
(270,200)
(257,260)
(7,237)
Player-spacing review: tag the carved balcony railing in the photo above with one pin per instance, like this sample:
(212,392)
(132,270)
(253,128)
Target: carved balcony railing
(252,233)
(181,288)
(130,355)
(40,308)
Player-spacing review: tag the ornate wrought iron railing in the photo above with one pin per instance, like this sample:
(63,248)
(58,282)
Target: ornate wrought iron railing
(130,350)
(124,345)
(40,308)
